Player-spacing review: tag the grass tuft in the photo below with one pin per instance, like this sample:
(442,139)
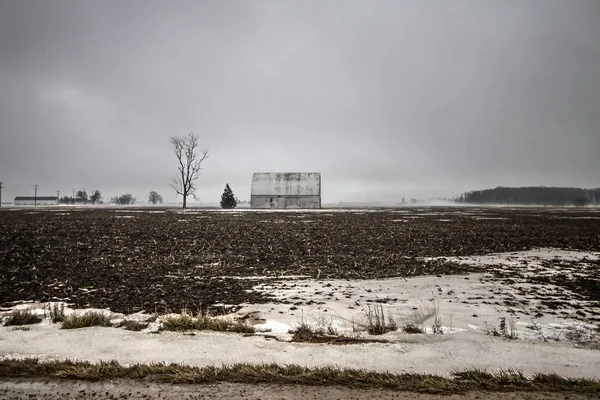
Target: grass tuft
(305,333)
(55,312)
(508,332)
(22,317)
(87,319)
(410,328)
(185,322)
(131,325)
(558,383)
(460,382)
(414,322)
(510,379)
(474,375)
(21,328)
(377,323)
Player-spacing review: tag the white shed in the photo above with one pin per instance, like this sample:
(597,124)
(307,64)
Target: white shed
(286,190)
(40,201)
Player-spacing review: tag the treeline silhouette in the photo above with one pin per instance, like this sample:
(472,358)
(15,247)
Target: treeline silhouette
(541,195)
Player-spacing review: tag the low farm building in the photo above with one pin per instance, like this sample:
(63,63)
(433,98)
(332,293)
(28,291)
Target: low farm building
(31,200)
(286,190)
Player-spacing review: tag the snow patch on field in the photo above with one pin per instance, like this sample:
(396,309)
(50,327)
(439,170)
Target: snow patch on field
(518,258)
(437,354)
(462,305)
(263,277)
(468,309)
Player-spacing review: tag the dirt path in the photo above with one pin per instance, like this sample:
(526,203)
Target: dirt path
(63,390)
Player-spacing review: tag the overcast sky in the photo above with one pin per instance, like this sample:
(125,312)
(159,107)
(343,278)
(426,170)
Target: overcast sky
(387,99)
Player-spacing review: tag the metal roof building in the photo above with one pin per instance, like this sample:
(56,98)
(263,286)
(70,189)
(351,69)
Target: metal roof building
(31,200)
(286,190)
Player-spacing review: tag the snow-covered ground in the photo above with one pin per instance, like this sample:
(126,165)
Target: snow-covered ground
(469,309)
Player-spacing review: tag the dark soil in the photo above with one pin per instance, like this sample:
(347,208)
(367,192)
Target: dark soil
(172,260)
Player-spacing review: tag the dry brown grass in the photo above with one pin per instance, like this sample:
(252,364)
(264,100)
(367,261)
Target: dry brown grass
(414,322)
(22,317)
(55,312)
(377,323)
(21,328)
(460,382)
(185,322)
(87,319)
(305,333)
(131,325)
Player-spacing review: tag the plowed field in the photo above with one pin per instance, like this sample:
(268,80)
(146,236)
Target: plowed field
(155,260)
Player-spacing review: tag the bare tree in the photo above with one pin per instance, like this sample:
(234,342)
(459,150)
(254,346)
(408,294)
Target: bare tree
(96,197)
(154,198)
(124,199)
(190,164)
(82,196)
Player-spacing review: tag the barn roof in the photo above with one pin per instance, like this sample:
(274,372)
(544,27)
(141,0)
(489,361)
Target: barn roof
(286,184)
(39,198)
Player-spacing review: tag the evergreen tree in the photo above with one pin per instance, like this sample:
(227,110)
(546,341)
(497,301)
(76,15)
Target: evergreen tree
(228,199)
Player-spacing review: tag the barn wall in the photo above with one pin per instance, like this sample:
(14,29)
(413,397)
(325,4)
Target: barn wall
(32,202)
(286,184)
(285,190)
(285,202)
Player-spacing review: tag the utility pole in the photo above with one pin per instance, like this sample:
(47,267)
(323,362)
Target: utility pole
(35,196)
(58,197)
(73,197)
(1,193)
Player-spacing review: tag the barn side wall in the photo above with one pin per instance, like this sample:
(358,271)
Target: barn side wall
(32,202)
(285,202)
(286,184)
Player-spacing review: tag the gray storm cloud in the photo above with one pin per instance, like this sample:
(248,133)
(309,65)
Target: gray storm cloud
(387,99)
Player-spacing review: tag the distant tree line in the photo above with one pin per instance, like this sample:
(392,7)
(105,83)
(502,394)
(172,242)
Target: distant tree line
(540,195)
(123,200)
(81,197)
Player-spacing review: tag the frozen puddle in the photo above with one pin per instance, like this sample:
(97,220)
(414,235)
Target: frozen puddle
(468,312)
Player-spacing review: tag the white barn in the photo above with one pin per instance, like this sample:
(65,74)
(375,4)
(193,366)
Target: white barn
(286,190)
(31,200)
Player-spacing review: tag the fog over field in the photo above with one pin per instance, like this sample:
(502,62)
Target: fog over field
(386,99)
